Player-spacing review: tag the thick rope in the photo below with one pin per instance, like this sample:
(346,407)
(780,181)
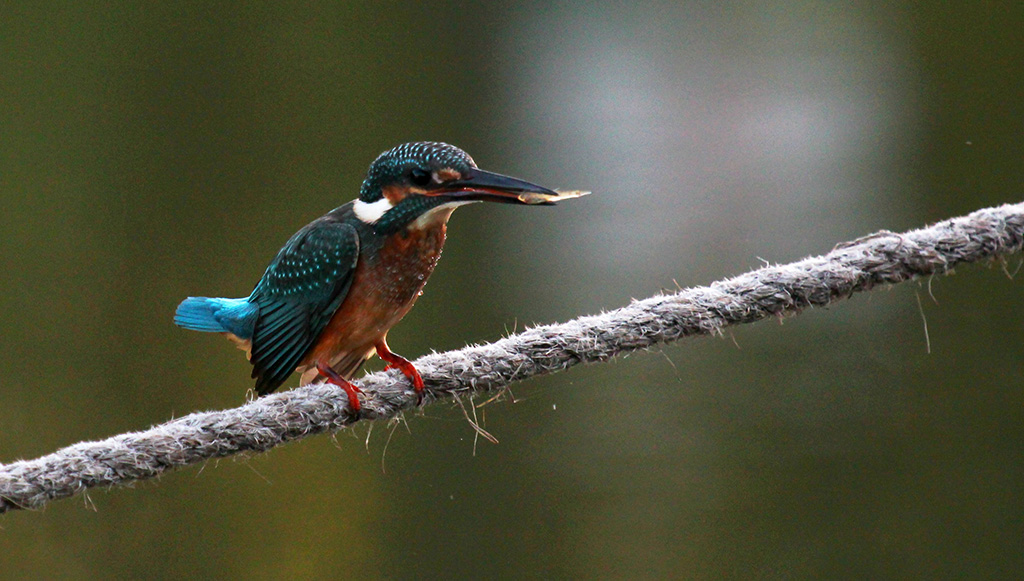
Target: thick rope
(882,258)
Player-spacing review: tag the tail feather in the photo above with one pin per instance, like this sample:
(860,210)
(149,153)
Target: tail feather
(217,315)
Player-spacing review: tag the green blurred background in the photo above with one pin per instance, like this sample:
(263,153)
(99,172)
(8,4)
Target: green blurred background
(151,151)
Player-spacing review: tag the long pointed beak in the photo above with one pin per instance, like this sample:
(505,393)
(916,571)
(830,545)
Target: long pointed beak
(484,186)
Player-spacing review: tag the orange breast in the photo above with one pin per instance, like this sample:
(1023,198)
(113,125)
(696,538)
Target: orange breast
(383,291)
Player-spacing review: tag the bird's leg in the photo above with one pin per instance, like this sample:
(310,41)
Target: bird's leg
(350,389)
(402,364)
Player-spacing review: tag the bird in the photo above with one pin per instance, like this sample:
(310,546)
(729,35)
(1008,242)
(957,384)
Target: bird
(328,298)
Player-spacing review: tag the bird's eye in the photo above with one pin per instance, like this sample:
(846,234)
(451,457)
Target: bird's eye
(420,177)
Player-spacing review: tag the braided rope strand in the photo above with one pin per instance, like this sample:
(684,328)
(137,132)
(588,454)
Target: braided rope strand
(882,258)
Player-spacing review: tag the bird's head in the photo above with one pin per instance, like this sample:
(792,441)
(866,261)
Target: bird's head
(414,180)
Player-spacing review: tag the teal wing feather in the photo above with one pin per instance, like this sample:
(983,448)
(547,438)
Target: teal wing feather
(297,296)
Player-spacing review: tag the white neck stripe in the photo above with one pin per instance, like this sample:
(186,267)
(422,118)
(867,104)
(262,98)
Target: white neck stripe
(371,212)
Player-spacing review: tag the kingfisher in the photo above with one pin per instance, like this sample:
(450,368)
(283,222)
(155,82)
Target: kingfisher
(329,297)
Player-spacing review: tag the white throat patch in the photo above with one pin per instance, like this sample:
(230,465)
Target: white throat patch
(371,212)
(436,215)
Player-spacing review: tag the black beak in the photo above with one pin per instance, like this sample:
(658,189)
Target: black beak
(479,185)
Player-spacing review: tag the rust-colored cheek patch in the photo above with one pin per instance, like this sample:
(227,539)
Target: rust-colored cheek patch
(395,194)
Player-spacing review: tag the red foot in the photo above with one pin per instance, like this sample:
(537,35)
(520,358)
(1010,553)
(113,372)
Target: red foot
(402,364)
(333,377)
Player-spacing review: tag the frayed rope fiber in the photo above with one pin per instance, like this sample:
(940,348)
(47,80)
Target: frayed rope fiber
(882,258)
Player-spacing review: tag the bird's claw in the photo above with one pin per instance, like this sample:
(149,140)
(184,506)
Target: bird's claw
(351,390)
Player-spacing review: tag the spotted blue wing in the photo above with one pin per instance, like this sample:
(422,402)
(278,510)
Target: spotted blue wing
(297,296)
